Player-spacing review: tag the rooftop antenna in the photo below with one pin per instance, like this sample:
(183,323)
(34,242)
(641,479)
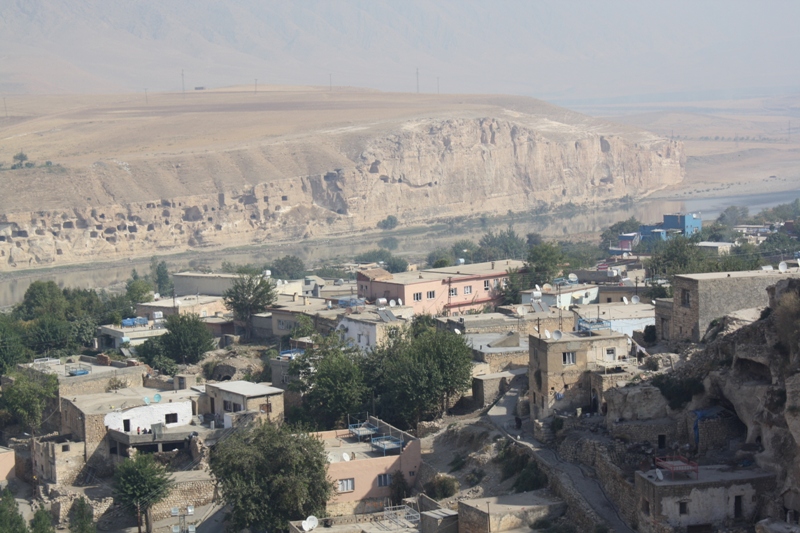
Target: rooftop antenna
(625,299)
(457,331)
(345,457)
(547,333)
(157,398)
(659,474)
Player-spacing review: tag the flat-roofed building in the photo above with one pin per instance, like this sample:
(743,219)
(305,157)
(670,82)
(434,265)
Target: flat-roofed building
(621,317)
(202,305)
(230,397)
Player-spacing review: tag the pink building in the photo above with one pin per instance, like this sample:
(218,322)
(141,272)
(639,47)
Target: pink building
(439,291)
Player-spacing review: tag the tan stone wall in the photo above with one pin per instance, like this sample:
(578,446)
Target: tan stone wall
(499,362)
(196,492)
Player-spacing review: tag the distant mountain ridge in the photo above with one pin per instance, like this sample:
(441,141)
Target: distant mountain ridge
(546,49)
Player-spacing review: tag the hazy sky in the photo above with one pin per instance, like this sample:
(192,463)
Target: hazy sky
(557,50)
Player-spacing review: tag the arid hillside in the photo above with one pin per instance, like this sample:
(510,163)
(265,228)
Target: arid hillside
(120,176)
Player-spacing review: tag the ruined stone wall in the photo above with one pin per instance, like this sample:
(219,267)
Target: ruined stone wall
(195,491)
(367,505)
(499,362)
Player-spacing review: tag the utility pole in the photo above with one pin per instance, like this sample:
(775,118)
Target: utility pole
(145,96)
(183,85)
(417,80)
(255,89)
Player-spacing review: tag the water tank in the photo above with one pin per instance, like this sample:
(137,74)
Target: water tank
(461,261)
(267,273)
(381,301)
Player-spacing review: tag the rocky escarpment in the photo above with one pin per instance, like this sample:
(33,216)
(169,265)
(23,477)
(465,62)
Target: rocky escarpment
(421,171)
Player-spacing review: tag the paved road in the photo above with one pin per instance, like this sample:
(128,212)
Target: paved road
(502,415)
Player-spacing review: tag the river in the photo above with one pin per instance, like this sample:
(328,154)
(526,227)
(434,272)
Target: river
(413,243)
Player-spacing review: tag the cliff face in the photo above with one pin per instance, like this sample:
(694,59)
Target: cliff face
(419,171)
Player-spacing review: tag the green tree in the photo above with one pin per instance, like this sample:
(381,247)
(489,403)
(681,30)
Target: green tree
(534,239)
(20,158)
(373,256)
(507,244)
(81,519)
(242,270)
(390,243)
(304,327)
(187,338)
(396,264)
(49,333)
(10,519)
(159,275)
(399,488)
(464,249)
(288,267)
(517,282)
(389,222)
(331,380)
(270,475)
(733,215)
(42,298)
(440,257)
(41,522)
(543,263)
(610,235)
(12,344)
(140,483)
(28,397)
(83,330)
(248,296)
(139,290)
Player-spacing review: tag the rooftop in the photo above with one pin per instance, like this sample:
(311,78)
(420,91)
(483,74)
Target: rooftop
(83,367)
(707,475)
(128,398)
(206,275)
(509,503)
(566,289)
(246,388)
(740,274)
(712,244)
(183,300)
(482,341)
(615,311)
(571,336)
(487,269)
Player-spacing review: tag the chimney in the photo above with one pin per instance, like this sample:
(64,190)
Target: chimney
(492,265)
(294,297)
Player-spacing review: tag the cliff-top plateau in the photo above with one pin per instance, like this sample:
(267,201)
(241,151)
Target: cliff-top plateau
(118,176)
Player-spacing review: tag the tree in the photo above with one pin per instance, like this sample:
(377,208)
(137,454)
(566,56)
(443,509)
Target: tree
(507,243)
(304,327)
(611,234)
(399,488)
(159,276)
(20,158)
(41,522)
(288,267)
(49,333)
(270,475)
(140,483)
(440,257)
(396,264)
(248,296)
(10,519)
(12,345)
(534,239)
(389,222)
(42,298)
(83,330)
(463,249)
(517,282)
(27,398)
(187,338)
(543,263)
(139,290)
(331,380)
(81,519)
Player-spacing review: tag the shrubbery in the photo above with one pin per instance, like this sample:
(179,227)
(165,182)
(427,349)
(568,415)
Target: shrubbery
(530,478)
(441,487)
(678,392)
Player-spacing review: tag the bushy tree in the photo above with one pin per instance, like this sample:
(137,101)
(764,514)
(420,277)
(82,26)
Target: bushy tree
(42,298)
(249,295)
(81,520)
(288,267)
(139,290)
(10,519)
(12,344)
(270,475)
(502,245)
(543,263)
(49,333)
(303,327)
(160,277)
(41,522)
(396,264)
(611,234)
(387,223)
(140,483)
(187,338)
(28,397)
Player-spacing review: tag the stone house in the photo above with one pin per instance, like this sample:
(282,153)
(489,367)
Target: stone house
(506,319)
(559,367)
(699,299)
(701,501)
(57,458)
(230,397)
(501,352)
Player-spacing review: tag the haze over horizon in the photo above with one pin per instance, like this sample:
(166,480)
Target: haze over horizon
(564,52)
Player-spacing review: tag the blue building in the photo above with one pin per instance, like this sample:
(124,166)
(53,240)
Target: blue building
(677,224)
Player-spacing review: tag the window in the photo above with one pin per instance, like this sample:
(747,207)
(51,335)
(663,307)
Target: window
(65,447)
(237,408)
(737,507)
(683,507)
(227,406)
(430,295)
(126,426)
(417,296)
(347,485)
(686,299)
(412,473)
(265,408)
(453,291)
(608,300)
(359,338)
(568,358)
(646,507)
(486,285)
(285,378)
(171,418)
(384,480)
(662,442)
(468,289)
(611,354)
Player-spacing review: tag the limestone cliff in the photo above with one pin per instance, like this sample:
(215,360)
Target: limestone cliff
(416,169)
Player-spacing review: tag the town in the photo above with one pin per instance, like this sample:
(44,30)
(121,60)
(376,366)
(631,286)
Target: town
(650,385)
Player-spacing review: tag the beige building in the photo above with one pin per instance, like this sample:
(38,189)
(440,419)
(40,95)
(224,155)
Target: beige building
(229,397)
(7,464)
(559,371)
(200,305)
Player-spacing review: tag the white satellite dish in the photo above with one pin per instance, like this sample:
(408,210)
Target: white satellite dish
(157,398)
(457,331)
(547,287)
(537,287)
(392,303)
(766,267)
(547,334)
(573,277)
(146,400)
(653,302)
(782,266)
(635,299)
(625,255)
(399,301)
(345,457)
(659,474)
(557,334)
(625,299)
(305,525)
(312,521)
(190,510)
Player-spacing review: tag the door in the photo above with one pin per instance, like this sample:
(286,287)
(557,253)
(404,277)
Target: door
(213,409)
(126,426)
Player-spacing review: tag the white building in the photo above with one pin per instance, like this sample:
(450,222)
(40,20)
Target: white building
(624,318)
(563,296)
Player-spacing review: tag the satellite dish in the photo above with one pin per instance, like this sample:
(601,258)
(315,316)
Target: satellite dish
(572,277)
(392,303)
(304,524)
(767,267)
(190,510)
(782,266)
(520,310)
(625,255)
(157,398)
(547,287)
(345,457)
(547,334)
(636,299)
(537,287)
(557,334)
(457,331)
(659,474)
(399,301)
(146,400)
(653,302)
(625,299)
(312,521)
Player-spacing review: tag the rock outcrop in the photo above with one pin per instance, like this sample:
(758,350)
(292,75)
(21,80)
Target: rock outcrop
(420,171)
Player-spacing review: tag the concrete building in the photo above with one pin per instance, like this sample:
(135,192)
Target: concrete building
(111,336)
(192,283)
(701,298)
(511,512)
(57,459)
(367,329)
(620,292)
(563,296)
(439,291)
(716,248)
(501,351)
(559,370)
(363,459)
(698,498)
(285,313)
(201,305)
(506,320)
(619,316)
(230,397)
(676,224)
